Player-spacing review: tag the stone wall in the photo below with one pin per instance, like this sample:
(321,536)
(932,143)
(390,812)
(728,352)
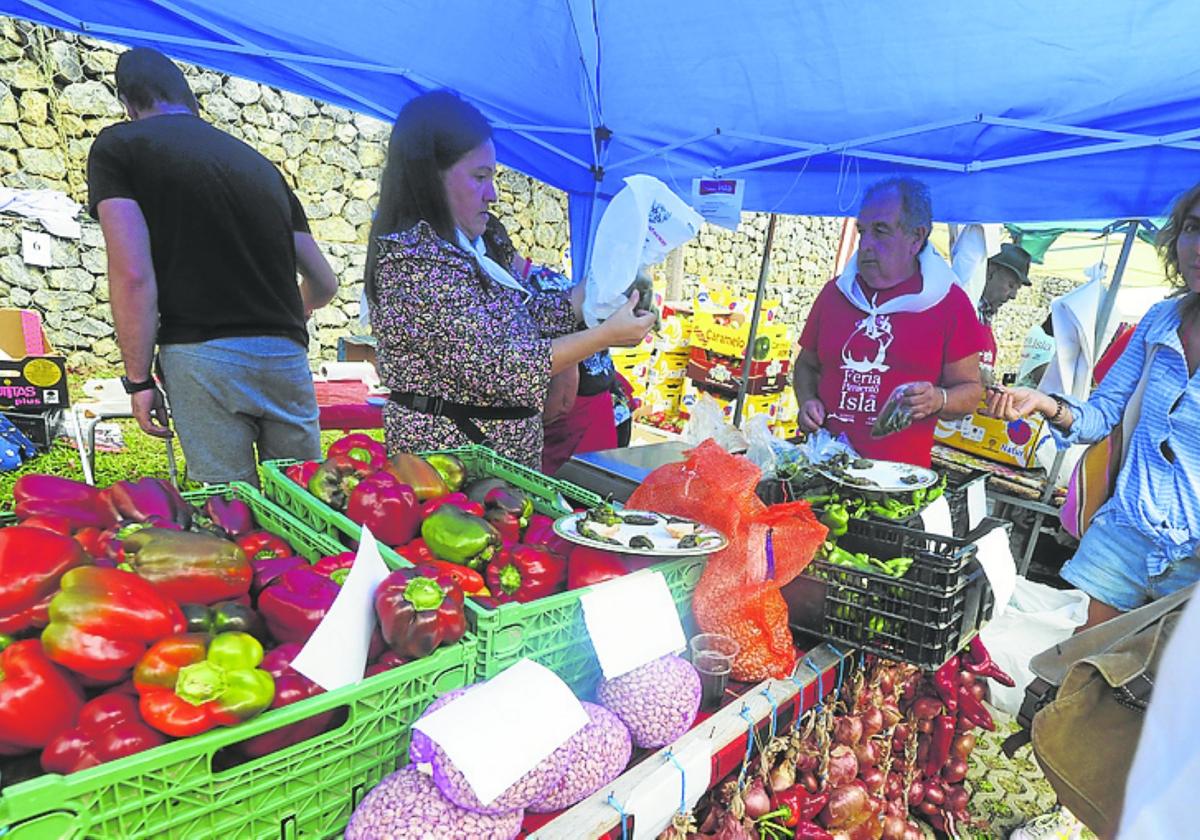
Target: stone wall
(57,92)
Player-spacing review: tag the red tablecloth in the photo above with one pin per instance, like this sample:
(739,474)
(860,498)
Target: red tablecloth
(344,405)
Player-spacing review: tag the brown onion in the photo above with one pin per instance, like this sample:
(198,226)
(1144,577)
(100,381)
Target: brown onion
(955,770)
(963,745)
(843,766)
(848,730)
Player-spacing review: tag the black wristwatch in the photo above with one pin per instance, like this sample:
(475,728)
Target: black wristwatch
(132,387)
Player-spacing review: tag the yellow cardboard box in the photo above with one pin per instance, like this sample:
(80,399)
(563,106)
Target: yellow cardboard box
(721,323)
(34,376)
(1014,442)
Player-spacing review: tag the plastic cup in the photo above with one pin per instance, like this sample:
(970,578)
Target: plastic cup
(712,657)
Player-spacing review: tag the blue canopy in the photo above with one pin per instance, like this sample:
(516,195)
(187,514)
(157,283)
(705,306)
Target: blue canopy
(1021,111)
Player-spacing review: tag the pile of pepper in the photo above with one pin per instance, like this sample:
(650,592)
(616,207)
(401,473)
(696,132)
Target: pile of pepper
(130,616)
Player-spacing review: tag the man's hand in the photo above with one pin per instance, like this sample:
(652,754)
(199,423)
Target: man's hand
(1015,403)
(150,411)
(923,399)
(812,415)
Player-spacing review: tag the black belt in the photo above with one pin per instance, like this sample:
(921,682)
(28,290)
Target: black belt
(462,414)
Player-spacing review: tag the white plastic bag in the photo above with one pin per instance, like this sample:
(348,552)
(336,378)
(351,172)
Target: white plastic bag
(642,224)
(708,421)
(1038,617)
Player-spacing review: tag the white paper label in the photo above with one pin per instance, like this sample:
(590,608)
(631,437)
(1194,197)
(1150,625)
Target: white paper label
(936,518)
(539,713)
(336,653)
(655,801)
(632,620)
(719,200)
(35,248)
(995,556)
(976,504)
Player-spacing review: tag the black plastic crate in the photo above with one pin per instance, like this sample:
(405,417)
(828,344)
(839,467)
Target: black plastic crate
(957,484)
(41,427)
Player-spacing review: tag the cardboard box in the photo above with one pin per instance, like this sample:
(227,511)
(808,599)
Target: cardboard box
(1014,443)
(766,404)
(722,374)
(721,323)
(34,376)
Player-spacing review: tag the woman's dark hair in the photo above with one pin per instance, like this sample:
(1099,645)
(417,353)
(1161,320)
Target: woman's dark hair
(432,133)
(146,77)
(1168,237)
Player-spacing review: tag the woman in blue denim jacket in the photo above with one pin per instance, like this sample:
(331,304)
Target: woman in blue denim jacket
(1142,544)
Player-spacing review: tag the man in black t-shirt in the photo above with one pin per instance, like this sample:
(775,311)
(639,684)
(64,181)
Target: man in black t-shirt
(204,241)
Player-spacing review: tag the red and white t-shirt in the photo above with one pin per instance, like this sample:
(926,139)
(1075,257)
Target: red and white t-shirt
(865,357)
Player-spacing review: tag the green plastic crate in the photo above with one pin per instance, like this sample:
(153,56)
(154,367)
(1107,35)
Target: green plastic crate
(193,788)
(550,630)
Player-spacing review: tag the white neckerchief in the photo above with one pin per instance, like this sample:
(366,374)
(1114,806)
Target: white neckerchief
(937,278)
(490,267)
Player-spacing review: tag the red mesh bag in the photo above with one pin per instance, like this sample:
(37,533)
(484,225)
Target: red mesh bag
(739,594)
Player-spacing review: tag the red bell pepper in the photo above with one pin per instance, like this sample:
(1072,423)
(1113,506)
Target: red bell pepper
(263,545)
(49,522)
(294,604)
(589,566)
(335,479)
(268,569)
(387,507)
(980,663)
(80,503)
(109,727)
(525,573)
(146,500)
(190,684)
(794,805)
(541,532)
(389,660)
(93,541)
(37,699)
(416,552)
(508,509)
(290,687)
(419,609)
(360,447)
(233,516)
(417,474)
(189,567)
(302,472)
(32,561)
(336,567)
(102,621)
(459,500)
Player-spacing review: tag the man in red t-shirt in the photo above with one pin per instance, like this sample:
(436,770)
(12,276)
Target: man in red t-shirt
(895,317)
(1007,272)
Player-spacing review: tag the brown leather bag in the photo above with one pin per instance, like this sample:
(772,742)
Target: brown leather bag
(1085,739)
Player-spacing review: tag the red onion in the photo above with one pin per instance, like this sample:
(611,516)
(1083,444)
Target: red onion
(894,828)
(886,683)
(848,730)
(901,731)
(756,799)
(807,779)
(922,750)
(955,770)
(896,807)
(916,792)
(845,807)
(957,798)
(874,779)
(913,832)
(809,758)
(783,776)
(872,721)
(963,725)
(928,808)
(925,708)
(891,714)
(925,726)
(935,794)
(963,745)
(867,753)
(894,787)
(966,678)
(979,690)
(843,766)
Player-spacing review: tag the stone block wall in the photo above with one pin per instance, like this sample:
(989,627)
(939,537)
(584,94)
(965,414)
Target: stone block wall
(57,93)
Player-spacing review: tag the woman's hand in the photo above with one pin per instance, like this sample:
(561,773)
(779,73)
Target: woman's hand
(1015,403)
(624,328)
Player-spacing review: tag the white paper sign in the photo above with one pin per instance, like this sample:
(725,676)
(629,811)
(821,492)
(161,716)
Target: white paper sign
(632,620)
(336,653)
(719,200)
(539,712)
(976,504)
(655,801)
(995,556)
(936,518)
(35,248)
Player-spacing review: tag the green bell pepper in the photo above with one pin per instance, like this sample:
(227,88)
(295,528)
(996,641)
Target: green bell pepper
(457,536)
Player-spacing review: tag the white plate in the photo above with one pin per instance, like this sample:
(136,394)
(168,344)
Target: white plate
(884,476)
(665,545)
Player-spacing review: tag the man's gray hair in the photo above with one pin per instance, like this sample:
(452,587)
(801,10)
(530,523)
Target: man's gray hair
(916,207)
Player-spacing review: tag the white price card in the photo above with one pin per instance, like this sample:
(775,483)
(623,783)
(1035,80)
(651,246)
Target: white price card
(936,518)
(539,712)
(678,782)
(976,504)
(632,620)
(35,248)
(336,653)
(719,200)
(996,558)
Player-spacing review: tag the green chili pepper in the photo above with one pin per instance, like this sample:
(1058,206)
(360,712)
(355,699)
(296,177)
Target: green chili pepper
(836,518)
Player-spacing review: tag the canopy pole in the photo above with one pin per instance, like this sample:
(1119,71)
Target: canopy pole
(1110,296)
(764,271)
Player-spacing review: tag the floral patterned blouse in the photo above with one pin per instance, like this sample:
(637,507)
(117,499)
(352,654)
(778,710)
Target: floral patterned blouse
(444,328)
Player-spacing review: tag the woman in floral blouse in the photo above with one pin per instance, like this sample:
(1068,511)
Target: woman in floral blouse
(466,348)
